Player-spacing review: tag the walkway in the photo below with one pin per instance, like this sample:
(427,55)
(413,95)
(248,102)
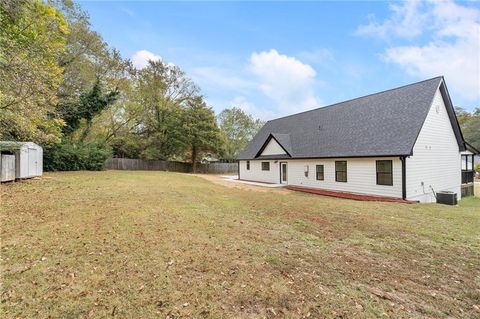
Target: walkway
(234,178)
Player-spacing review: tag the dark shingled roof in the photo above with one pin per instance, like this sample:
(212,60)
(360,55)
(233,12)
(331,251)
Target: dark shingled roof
(380,124)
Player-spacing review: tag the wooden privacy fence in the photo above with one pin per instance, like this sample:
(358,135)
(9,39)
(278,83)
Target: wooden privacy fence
(218,168)
(146,165)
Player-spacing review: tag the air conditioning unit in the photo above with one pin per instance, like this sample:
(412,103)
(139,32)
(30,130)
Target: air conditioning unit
(447,197)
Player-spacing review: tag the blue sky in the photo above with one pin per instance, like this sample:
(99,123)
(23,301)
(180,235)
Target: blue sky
(278,58)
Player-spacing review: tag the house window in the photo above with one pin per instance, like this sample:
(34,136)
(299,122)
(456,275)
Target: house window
(320,176)
(384,173)
(248,165)
(341,171)
(265,166)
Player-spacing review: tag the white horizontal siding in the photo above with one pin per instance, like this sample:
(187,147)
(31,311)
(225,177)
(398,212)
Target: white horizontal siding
(361,176)
(436,160)
(273,148)
(255,172)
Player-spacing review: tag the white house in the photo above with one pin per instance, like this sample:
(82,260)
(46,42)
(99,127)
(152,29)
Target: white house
(401,143)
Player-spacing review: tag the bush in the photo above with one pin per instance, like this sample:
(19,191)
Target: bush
(477,168)
(75,156)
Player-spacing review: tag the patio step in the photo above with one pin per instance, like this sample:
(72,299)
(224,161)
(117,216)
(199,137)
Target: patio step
(345,195)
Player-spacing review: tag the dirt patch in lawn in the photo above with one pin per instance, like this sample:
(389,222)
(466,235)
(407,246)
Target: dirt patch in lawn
(220,180)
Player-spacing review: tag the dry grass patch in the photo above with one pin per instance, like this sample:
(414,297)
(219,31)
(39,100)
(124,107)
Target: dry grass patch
(157,244)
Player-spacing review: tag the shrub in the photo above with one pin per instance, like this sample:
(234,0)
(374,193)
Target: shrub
(75,156)
(477,167)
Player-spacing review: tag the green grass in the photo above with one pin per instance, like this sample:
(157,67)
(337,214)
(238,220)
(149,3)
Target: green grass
(157,244)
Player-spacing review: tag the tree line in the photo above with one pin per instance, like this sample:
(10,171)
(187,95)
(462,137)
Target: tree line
(470,125)
(63,87)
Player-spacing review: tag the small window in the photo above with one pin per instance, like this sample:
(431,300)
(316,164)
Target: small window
(341,171)
(320,176)
(248,165)
(384,173)
(265,166)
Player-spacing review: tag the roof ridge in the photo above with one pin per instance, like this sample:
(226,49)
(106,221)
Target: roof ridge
(360,97)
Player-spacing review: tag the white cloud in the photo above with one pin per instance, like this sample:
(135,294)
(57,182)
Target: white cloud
(221,78)
(407,20)
(452,49)
(252,109)
(458,62)
(140,58)
(279,84)
(286,80)
(317,56)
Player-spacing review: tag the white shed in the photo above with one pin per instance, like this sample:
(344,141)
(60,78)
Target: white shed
(28,158)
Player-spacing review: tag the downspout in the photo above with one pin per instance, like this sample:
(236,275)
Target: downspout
(403,159)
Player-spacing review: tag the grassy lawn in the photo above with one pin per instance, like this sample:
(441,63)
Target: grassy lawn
(157,244)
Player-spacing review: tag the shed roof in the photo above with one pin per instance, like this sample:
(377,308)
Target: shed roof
(381,124)
(14,145)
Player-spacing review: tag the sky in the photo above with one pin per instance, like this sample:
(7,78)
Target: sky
(278,58)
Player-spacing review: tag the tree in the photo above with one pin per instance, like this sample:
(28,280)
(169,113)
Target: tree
(32,39)
(86,61)
(62,86)
(87,57)
(237,129)
(201,130)
(73,152)
(90,104)
(463,116)
(470,125)
(162,93)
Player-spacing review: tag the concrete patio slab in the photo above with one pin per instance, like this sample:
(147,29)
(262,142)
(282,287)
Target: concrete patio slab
(234,179)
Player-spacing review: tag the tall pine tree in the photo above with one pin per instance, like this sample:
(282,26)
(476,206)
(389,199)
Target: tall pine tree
(201,130)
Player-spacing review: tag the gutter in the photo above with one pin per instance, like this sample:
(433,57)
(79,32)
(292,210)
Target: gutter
(321,157)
